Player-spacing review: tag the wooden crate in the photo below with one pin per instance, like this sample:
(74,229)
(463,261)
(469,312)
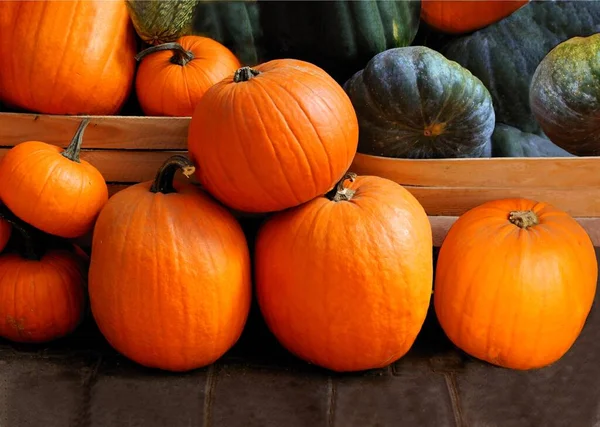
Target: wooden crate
(128,150)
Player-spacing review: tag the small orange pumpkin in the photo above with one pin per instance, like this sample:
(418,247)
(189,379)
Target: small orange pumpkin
(515,282)
(42,289)
(5,232)
(169,278)
(51,188)
(274,136)
(344,281)
(172,77)
(457,16)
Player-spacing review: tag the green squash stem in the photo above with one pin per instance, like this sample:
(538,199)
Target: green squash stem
(32,248)
(163,182)
(72,151)
(244,74)
(181,56)
(523,219)
(341,193)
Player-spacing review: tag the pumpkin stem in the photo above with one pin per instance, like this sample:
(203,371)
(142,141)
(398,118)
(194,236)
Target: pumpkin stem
(72,151)
(163,182)
(523,219)
(244,74)
(32,249)
(341,193)
(181,56)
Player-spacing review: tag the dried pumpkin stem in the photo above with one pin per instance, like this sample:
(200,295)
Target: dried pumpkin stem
(244,74)
(523,219)
(72,151)
(163,182)
(31,249)
(181,56)
(341,193)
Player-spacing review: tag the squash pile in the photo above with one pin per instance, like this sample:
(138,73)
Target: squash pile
(343,264)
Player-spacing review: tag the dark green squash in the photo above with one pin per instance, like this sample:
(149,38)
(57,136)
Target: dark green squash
(508,141)
(411,102)
(235,24)
(505,55)
(338,36)
(565,95)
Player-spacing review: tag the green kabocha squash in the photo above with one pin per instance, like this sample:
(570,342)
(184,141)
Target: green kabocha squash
(235,24)
(411,102)
(338,36)
(505,55)
(508,141)
(565,95)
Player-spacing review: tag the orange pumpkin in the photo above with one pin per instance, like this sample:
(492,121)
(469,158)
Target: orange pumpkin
(42,289)
(272,137)
(344,281)
(457,16)
(51,188)
(169,278)
(5,232)
(515,281)
(172,77)
(66,57)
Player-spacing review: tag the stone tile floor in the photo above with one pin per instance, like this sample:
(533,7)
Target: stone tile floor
(81,382)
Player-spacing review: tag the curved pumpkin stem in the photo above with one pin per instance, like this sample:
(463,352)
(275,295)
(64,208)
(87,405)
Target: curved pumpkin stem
(72,151)
(163,182)
(32,248)
(181,56)
(523,219)
(341,193)
(244,74)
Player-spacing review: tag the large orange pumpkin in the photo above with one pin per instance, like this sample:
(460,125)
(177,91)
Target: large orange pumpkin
(169,278)
(344,281)
(42,289)
(51,188)
(273,136)
(5,232)
(515,281)
(66,57)
(172,77)
(458,16)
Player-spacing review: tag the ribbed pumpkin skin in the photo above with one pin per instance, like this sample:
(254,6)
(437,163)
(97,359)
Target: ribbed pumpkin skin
(158,22)
(41,301)
(275,141)
(457,17)
(167,89)
(411,102)
(565,95)
(5,232)
(66,57)
(169,278)
(346,285)
(514,297)
(508,141)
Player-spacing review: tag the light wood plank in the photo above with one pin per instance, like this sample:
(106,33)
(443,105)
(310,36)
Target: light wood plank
(575,172)
(456,201)
(104,132)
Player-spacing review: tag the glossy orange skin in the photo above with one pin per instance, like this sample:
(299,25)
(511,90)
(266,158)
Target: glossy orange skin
(41,301)
(66,57)
(50,192)
(457,16)
(516,298)
(5,232)
(347,285)
(167,89)
(169,281)
(278,140)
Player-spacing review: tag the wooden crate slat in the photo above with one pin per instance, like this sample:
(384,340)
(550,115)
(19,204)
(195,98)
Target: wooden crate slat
(455,201)
(574,172)
(103,132)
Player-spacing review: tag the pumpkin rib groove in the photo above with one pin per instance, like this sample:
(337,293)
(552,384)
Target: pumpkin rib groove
(314,129)
(36,43)
(66,42)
